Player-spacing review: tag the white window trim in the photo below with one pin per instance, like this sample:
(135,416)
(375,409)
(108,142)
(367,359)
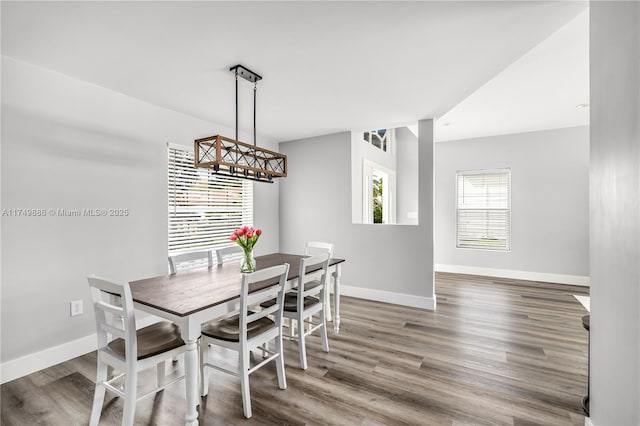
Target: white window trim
(506,170)
(390,141)
(388,196)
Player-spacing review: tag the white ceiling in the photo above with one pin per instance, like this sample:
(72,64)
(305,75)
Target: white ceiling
(539,91)
(327,66)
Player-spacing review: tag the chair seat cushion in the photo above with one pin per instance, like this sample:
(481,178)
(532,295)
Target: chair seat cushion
(229,329)
(152,340)
(291,302)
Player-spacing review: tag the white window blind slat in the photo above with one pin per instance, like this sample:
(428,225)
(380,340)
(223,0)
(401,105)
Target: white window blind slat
(483,209)
(204,208)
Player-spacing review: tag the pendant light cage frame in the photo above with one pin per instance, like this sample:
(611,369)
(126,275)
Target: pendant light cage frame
(232,157)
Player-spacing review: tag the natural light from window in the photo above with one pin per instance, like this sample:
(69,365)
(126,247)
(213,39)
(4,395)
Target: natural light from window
(483,209)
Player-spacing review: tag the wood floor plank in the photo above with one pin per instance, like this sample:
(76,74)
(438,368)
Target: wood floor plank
(495,352)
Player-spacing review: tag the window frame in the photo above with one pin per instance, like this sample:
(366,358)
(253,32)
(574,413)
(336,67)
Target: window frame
(387,139)
(369,170)
(211,206)
(508,222)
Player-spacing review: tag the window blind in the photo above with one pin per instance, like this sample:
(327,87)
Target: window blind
(483,209)
(204,208)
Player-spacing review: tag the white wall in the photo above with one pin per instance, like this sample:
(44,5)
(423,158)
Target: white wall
(67,144)
(549,204)
(407,173)
(361,150)
(402,159)
(615,213)
(384,262)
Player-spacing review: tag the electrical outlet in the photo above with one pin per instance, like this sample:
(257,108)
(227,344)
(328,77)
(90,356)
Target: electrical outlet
(76,307)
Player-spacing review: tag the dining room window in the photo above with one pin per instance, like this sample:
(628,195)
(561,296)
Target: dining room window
(204,208)
(483,209)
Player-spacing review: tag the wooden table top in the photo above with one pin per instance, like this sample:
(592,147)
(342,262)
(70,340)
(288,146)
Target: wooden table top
(191,291)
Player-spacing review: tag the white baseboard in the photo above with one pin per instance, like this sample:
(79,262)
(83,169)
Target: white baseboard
(389,297)
(37,361)
(31,363)
(517,275)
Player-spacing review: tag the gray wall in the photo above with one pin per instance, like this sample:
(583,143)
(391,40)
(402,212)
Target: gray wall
(615,213)
(69,144)
(550,200)
(315,204)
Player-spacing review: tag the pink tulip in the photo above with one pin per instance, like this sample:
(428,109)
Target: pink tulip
(245,229)
(250,235)
(240,232)
(233,237)
(258,232)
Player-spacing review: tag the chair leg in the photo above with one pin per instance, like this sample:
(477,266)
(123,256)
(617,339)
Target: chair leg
(204,371)
(130,390)
(98,397)
(327,303)
(282,380)
(323,332)
(160,373)
(301,345)
(244,382)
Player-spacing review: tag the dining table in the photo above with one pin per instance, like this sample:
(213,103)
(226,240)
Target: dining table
(193,297)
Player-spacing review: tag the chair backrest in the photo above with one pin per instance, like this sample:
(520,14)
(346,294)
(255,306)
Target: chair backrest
(277,275)
(310,268)
(114,321)
(229,253)
(190,260)
(318,247)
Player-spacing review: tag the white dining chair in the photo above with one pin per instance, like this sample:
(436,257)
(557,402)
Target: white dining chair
(249,330)
(320,247)
(229,253)
(131,351)
(306,301)
(190,260)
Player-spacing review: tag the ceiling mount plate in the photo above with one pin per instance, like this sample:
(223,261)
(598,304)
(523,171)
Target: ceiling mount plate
(245,73)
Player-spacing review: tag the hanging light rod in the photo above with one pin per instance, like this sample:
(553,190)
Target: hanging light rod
(232,157)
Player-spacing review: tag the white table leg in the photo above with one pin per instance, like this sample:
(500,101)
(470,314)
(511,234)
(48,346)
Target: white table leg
(327,301)
(336,298)
(191,367)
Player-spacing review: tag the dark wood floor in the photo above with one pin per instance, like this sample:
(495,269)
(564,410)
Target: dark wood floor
(496,351)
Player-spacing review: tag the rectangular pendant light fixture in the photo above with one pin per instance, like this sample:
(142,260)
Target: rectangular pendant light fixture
(232,157)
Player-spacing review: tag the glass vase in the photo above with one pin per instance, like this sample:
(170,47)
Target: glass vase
(247,262)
